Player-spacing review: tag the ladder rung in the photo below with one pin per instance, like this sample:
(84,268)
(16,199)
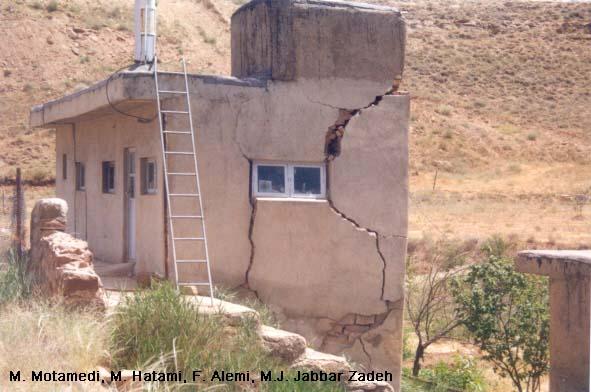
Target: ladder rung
(184,195)
(192,284)
(178,132)
(188,239)
(173,112)
(172,92)
(191,261)
(186,216)
(181,174)
(178,152)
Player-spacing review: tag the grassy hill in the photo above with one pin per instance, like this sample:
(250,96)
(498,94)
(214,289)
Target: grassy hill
(500,110)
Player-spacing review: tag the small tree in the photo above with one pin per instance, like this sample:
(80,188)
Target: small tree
(429,302)
(507,314)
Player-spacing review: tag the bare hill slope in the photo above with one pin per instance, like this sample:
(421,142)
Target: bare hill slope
(501,93)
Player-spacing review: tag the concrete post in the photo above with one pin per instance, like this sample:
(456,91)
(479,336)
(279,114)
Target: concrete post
(570,314)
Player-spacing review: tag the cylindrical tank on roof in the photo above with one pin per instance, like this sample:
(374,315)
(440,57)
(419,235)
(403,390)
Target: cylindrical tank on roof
(145,30)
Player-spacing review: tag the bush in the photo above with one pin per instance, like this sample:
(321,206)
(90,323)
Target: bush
(461,375)
(507,316)
(52,6)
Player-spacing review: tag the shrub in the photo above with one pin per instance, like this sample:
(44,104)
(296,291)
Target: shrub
(52,6)
(507,315)
(461,375)
(36,5)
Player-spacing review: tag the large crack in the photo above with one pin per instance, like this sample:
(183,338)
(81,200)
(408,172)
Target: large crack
(370,231)
(332,149)
(336,131)
(253,213)
(364,349)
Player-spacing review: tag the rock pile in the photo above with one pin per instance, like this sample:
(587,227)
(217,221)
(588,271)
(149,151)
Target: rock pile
(61,264)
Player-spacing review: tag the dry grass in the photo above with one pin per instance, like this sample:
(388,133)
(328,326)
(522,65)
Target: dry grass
(38,336)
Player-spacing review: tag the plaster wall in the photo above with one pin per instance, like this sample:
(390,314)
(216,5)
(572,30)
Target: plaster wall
(336,264)
(99,217)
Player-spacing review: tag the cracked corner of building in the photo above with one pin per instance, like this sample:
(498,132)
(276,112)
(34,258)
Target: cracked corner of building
(319,261)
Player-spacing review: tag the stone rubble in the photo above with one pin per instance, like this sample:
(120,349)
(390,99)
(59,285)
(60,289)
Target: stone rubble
(62,265)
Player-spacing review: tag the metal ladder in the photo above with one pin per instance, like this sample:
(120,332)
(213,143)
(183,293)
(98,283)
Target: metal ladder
(199,241)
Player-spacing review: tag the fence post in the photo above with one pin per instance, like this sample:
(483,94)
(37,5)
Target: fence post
(18,216)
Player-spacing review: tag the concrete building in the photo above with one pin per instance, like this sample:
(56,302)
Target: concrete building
(303,156)
(569,272)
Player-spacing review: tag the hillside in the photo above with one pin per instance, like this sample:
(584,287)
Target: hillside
(500,111)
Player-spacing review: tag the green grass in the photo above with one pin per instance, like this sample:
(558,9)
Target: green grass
(15,285)
(161,329)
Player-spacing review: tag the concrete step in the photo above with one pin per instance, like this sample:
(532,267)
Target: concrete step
(104,269)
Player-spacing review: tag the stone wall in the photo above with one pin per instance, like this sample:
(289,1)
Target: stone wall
(62,264)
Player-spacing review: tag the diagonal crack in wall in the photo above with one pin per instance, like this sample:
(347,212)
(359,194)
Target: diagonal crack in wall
(332,149)
(375,234)
(253,213)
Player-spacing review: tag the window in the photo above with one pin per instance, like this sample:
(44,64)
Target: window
(80,176)
(148,173)
(109,177)
(289,180)
(64,166)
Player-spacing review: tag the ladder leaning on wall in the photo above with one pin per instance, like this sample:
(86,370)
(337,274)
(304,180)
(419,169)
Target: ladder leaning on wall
(194,242)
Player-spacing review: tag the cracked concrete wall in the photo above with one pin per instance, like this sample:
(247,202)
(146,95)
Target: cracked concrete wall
(327,46)
(333,268)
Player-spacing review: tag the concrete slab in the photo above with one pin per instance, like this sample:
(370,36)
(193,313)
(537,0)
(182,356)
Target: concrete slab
(554,262)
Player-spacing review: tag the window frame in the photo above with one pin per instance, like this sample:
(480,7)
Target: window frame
(64,166)
(80,169)
(145,188)
(321,195)
(105,168)
(289,181)
(255,180)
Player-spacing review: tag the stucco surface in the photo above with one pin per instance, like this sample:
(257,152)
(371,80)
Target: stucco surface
(310,261)
(99,217)
(369,179)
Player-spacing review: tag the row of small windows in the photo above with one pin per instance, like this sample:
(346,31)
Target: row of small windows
(269,179)
(147,168)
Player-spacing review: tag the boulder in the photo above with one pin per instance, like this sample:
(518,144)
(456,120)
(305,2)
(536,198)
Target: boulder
(317,361)
(281,344)
(367,386)
(47,217)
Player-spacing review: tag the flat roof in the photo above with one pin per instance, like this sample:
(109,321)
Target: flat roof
(128,85)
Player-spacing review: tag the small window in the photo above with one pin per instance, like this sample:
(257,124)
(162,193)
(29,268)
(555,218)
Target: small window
(271,180)
(148,173)
(64,166)
(109,177)
(80,176)
(289,180)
